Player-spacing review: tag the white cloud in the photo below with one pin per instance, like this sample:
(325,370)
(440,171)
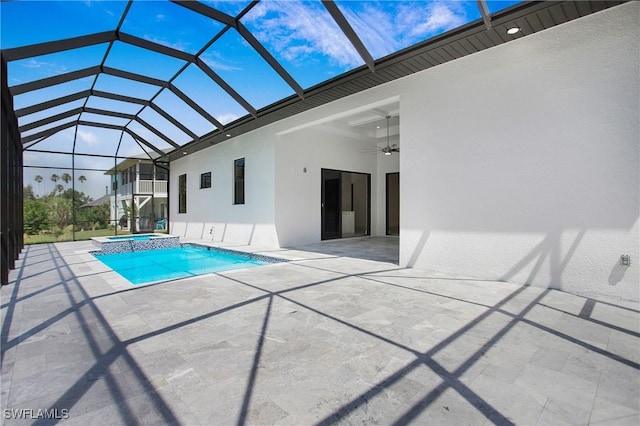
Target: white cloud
(227,118)
(88,137)
(32,63)
(436,17)
(385,27)
(215,64)
(375,27)
(174,44)
(46,67)
(299,32)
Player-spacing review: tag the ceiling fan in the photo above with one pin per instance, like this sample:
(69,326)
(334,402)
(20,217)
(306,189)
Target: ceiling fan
(389,149)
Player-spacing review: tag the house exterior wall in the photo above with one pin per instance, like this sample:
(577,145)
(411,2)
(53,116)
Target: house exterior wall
(386,164)
(298,193)
(211,213)
(519,163)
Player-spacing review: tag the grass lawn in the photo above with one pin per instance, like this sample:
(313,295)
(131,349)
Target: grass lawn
(68,236)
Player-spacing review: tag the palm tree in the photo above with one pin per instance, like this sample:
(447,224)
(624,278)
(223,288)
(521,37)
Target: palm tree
(82,180)
(38,179)
(55,178)
(66,178)
(59,188)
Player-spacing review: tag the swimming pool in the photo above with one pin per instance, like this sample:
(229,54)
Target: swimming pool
(143,237)
(144,267)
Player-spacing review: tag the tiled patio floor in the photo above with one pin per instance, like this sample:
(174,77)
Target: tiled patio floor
(322,339)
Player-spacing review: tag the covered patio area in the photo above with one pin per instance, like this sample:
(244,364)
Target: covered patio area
(321,339)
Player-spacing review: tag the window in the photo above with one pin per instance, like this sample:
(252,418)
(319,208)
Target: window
(182,193)
(205,180)
(146,171)
(238,181)
(161,174)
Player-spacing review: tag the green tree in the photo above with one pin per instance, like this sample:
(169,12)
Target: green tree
(78,198)
(59,188)
(35,216)
(28,193)
(54,178)
(60,211)
(96,217)
(82,179)
(66,178)
(39,180)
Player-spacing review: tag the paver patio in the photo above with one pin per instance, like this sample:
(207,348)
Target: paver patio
(321,339)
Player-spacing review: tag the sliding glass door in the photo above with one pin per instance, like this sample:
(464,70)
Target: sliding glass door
(346,204)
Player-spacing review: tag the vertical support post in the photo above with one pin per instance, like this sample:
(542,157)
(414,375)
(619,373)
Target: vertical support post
(153,197)
(73,187)
(11,185)
(114,189)
(4,182)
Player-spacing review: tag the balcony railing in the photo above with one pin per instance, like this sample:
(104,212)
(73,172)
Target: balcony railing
(142,187)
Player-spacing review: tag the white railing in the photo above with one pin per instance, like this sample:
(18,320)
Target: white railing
(143,187)
(150,187)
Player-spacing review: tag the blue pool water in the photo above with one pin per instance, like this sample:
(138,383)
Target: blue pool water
(132,237)
(142,267)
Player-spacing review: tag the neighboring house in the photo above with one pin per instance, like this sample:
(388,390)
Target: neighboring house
(138,196)
(105,199)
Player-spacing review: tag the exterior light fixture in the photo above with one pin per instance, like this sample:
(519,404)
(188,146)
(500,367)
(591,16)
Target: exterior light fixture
(387,153)
(184,152)
(513,30)
(228,135)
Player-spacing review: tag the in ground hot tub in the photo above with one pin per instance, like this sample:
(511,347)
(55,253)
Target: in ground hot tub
(135,242)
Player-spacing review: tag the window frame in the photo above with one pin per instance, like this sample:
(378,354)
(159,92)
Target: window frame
(182,193)
(239,196)
(204,182)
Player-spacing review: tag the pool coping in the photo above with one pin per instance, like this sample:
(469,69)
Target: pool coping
(256,256)
(127,237)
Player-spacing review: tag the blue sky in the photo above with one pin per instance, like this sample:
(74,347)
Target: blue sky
(301,35)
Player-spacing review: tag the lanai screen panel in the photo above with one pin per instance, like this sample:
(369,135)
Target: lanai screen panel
(386,27)
(305,38)
(149,77)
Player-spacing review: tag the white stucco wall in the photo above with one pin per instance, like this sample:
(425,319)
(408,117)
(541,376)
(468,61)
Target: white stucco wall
(298,194)
(250,223)
(521,163)
(386,164)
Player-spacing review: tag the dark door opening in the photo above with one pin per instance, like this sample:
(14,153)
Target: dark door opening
(346,205)
(331,204)
(393,203)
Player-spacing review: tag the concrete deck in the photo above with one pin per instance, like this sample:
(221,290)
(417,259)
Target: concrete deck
(322,339)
